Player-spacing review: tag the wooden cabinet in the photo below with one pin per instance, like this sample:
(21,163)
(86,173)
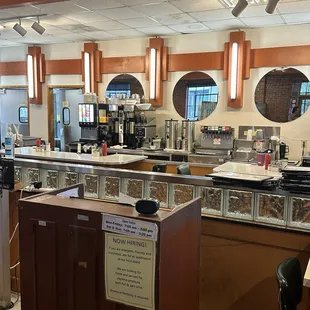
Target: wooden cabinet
(62,254)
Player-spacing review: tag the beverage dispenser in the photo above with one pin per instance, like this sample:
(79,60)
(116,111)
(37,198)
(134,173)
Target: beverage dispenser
(188,135)
(171,133)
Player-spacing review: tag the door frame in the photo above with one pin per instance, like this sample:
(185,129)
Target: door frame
(27,100)
(50,109)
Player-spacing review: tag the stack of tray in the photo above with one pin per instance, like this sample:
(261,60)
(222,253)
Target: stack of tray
(296,179)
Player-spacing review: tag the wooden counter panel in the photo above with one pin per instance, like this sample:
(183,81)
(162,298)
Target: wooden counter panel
(14,248)
(171,168)
(238,264)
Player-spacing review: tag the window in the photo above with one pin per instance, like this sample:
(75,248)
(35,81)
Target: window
(66,116)
(304,97)
(198,94)
(23,115)
(115,89)
(305,88)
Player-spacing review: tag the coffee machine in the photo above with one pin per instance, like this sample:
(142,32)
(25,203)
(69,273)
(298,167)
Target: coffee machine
(145,131)
(188,135)
(171,133)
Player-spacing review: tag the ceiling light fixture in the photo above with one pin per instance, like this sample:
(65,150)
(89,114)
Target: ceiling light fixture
(153,56)
(87,72)
(234,71)
(37,27)
(271,6)
(19,29)
(30,75)
(239,8)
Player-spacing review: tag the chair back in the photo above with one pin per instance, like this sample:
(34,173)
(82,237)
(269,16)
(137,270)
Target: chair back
(160,168)
(183,169)
(289,278)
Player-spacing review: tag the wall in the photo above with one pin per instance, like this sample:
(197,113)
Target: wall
(292,133)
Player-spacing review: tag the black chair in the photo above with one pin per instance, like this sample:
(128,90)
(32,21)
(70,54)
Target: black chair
(160,168)
(290,285)
(183,169)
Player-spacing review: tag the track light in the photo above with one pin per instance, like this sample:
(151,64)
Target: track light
(37,27)
(19,29)
(271,6)
(240,7)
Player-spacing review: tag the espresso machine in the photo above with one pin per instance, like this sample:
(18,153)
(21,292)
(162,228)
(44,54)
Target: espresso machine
(171,133)
(188,135)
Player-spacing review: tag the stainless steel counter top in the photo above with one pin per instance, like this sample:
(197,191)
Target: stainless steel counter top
(110,160)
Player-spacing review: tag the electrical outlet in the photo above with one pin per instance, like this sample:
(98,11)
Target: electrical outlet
(304,144)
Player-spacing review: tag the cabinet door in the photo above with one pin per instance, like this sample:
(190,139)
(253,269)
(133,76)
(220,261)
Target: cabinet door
(83,251)
(38,265)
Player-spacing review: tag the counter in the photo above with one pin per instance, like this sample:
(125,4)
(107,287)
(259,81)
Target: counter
(110,160)
(275,208)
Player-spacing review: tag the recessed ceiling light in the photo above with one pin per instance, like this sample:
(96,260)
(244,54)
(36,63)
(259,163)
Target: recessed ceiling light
(1,27)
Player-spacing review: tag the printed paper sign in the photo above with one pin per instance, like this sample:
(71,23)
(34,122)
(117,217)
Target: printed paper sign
(130,270)
(131,227)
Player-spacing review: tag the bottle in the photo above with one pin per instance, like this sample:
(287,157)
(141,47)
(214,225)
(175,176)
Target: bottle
(9,144)
(267,161)
(104,149)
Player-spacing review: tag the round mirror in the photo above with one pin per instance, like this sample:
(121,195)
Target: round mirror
(283,95)
(195,96)
(125,86)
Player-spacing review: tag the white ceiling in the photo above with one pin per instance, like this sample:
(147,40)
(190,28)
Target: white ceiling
(94,20)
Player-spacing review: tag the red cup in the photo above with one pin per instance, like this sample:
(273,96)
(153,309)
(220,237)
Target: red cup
(261,159)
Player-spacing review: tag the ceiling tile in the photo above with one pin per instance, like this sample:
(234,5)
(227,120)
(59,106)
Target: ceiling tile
(138,2)
(175,19)
(111,25)
(57,20)
(294,7)
(21,10)
(263,21)
(10,34)
(74,37)
(127,33)
(157,31)
(10,43)
(100,35)
(26,23)
(120,13)
(55,30)
(65,7)
(98,4)
(190,28)
(139,22)
(233,23)
(156,9)
(297,18)
(87,17)
(197,5)
(212,15)
(256,10)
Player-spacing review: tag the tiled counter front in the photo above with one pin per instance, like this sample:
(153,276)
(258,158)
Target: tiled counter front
(273,208)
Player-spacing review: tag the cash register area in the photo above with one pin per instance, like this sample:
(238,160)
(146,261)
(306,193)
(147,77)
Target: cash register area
(160,165)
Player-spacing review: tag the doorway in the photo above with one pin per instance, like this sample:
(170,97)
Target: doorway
(63,127)
(14,112)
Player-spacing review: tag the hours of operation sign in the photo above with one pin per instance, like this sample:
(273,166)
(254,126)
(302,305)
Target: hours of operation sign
(130,270)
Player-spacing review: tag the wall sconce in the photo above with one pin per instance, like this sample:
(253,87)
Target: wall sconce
(153,56)
(234,71)
(30,75)
(87,72)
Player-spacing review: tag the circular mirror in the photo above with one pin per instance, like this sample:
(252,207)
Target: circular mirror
(283,95)
(195,96)
(125,86)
